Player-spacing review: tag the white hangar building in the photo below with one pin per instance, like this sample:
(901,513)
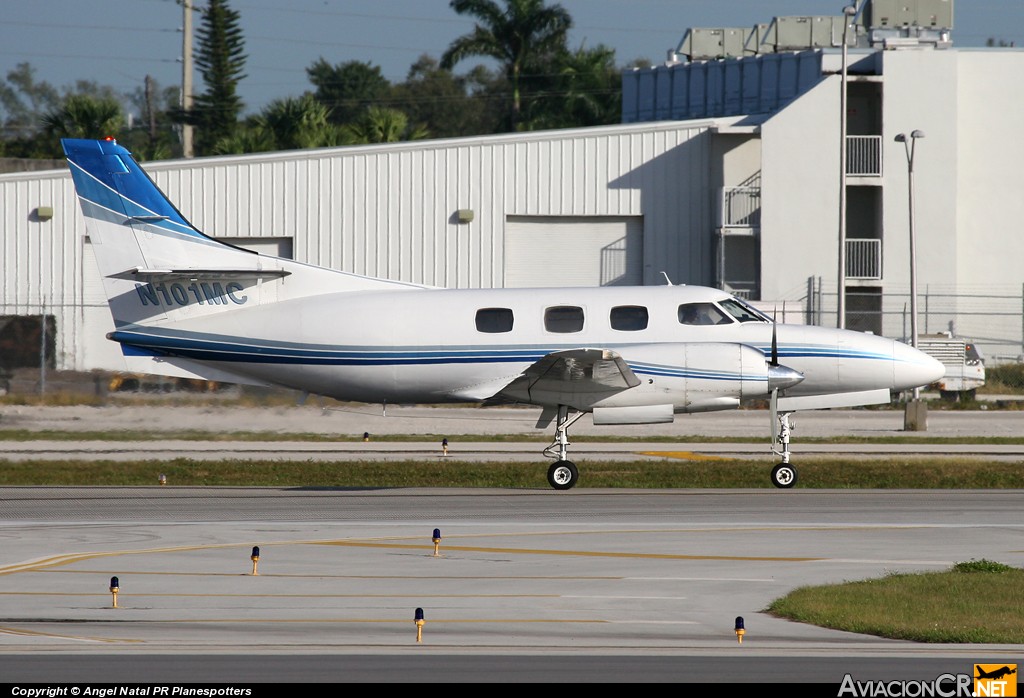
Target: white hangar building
(725,172)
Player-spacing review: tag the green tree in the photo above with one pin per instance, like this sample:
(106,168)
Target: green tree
(35,115)
(521,34)
(23,103)
(347,89)
(584,88)
(83,116)
(446,104)
(301,122)
(382,125)
(220,58)
(285,124)
(247,138)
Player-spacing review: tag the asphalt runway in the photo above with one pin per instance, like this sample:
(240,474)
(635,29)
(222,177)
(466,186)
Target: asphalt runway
(587,576)
(435,423)
(535,585)
(460,425)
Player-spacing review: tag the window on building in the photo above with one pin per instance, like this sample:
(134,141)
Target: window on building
(628,318)
(563,318)
(494,320)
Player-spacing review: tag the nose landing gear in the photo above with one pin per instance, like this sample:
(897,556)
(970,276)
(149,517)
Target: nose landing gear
(563,473)
(784,474)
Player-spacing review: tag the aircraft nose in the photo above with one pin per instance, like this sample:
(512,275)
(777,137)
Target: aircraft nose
(912,368)
(783,377)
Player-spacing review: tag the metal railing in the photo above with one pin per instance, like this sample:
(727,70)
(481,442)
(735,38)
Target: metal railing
(864,156)
(741,289)
(741,207)
(863,258)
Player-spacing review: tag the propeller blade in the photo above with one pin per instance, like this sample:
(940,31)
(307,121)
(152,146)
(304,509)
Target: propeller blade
(774,412)
(775,344)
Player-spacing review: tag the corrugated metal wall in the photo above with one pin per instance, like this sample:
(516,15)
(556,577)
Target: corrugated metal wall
(388,210)
(703,89)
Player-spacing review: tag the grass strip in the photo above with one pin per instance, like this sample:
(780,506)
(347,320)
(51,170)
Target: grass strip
(974,602)
(815,473)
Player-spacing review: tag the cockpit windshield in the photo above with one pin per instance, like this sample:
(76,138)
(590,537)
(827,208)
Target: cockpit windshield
(743,312)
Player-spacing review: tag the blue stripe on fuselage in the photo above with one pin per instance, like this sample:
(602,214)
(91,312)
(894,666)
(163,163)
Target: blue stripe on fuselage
(228,349)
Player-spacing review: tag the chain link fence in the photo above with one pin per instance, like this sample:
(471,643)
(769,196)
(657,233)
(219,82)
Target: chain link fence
(992,318)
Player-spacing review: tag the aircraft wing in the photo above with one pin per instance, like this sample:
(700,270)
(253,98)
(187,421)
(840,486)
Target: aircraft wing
(571,377)
(581,370)
(569,372)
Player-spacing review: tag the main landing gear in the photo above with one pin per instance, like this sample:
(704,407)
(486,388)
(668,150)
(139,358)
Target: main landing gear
(563,474)
(783,474)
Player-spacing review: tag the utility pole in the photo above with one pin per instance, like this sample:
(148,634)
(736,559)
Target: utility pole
(186,77)
(150,110)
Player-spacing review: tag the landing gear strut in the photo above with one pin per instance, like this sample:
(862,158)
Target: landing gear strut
(783,474)
(563,474)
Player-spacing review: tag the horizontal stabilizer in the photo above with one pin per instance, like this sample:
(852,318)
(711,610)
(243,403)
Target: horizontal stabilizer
(156,275)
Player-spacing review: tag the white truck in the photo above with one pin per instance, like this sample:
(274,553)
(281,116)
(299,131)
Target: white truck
(965,366)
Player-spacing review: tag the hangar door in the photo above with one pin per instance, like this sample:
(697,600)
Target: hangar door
(573,251)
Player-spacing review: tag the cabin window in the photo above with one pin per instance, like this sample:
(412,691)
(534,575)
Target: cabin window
(702,314)
(628,318)
(563,318)
(494,320)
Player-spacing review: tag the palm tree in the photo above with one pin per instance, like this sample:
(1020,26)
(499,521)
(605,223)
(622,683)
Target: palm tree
(84,116)
(301,122)
(584,90)
(524,32)
(382,125)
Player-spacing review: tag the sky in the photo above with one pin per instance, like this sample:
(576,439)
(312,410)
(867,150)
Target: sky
(120,42)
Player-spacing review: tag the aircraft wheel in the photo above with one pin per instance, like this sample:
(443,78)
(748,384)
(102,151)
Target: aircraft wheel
(784,476)
(563,475)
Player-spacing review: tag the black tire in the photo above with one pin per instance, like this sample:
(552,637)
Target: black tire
(563,475)
(784,476)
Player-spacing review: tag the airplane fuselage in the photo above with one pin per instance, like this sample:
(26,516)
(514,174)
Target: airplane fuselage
(429,346)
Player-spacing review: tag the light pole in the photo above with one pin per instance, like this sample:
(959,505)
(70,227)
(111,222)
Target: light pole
(848,12)
(909,142)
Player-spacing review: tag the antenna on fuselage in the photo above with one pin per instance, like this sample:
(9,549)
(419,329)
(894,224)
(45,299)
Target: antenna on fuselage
(667,280)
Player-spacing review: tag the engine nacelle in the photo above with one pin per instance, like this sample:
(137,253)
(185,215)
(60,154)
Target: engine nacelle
(693,377)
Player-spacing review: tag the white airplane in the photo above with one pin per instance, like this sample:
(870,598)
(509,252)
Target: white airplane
(185,304)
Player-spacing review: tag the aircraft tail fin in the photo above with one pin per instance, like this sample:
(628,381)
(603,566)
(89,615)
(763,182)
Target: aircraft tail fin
(137,226)
(157,267)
